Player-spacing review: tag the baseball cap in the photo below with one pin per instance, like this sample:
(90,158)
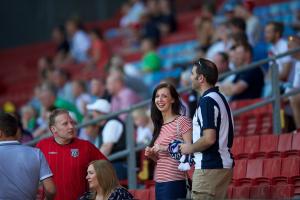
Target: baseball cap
(100,105)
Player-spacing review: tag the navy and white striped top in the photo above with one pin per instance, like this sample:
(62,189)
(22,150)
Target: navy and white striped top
(213,112)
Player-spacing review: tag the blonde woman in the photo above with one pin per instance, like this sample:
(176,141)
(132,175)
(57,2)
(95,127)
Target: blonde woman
(103,183)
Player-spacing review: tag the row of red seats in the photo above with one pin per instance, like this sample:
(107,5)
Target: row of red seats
(266,178)
(143,194)
(267,146)
(279,191)
(268,170)
(258,124)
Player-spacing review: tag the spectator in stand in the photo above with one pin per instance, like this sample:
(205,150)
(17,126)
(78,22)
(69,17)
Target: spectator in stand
(113,134)
(205,31)
(294,42)
(166,109)
(35,99)
(82,98)
(68,156)
(91,132)
(278,45)
(149,27)
(132,12)
(237,25)
(61,80)
(103,183)
(223,41)
(49,100)
(59,37)
(221,59)
(253,27)
(21,167)
(167,21)
(45,69)
(121,96)
(99,52)
(244,85)
(79,41)
(111,130)
(98,89)
(42,122)
(190,97)
(151,61)
(28,118)
(143,127)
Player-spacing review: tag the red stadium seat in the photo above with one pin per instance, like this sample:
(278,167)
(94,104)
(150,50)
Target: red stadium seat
(260,192)
(282,191)
(254,168)
(284,145)
(296,182)
(295,150)
(251,146)
(268,143)
(142,194)
(241,192)
(290,167)
(240,169)
(238,146)
(271,167)
(152,193)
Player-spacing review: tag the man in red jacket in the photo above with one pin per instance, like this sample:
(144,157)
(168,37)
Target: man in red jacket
(68,156)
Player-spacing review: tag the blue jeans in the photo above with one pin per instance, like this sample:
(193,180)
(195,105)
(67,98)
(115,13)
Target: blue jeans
(170,190)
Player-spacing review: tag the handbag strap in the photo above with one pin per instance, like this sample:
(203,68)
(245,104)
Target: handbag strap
(177,128)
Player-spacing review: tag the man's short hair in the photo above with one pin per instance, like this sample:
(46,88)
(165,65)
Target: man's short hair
(8,124)
(247,47)
(239,23)
(277,26)
(208,69)
(54,114)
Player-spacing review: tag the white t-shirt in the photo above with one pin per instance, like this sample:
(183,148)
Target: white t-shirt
(80,44)
(278,48)
(296,82)
(144,135)
(112,131)
(217,47)
(81,102)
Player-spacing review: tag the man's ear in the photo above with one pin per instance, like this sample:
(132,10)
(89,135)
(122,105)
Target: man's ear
(52,129)
(200,78)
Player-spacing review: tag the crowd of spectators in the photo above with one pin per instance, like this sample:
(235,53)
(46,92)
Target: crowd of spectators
(230,43)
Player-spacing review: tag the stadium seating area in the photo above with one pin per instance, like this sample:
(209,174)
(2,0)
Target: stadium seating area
(267,166)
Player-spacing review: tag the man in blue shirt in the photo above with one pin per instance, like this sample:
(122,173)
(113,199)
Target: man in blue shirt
(21,167)
(212,135)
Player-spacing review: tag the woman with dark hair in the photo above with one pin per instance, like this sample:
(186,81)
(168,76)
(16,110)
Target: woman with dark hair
(103,182)
(99,53)
(169,125)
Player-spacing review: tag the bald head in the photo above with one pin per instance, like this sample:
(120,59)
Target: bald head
(115,82)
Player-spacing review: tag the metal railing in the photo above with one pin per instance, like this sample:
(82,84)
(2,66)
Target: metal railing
(131,148)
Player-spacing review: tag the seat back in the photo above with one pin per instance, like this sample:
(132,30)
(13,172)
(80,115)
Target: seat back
(271,167)
(284,142)
(268,143)
(240,169)
(254,168)
(290,166)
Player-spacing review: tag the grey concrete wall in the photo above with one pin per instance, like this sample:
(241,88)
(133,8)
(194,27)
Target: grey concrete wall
(29,21)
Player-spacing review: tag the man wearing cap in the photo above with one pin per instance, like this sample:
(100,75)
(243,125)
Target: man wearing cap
(113,139)
(68,156)
(112,131)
